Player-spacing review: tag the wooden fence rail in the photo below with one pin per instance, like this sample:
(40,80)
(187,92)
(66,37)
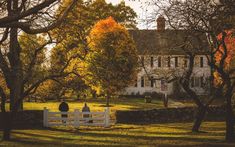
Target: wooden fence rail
(76,118)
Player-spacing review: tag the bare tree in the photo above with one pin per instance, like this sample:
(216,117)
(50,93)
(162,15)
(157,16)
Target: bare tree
(33,17)
(211,18)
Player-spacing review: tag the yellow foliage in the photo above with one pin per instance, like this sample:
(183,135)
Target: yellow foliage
(112,60)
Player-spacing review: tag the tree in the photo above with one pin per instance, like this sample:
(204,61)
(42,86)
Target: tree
(225,75)
(73,32)
(71,84)
(211,18)
(33,17)
(112,61)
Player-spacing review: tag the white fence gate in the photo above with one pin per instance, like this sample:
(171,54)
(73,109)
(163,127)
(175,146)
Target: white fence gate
(76,118)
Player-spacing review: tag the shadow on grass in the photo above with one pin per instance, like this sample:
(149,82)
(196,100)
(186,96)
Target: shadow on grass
(184,136)
(81,138)
(58,140)
(121,136)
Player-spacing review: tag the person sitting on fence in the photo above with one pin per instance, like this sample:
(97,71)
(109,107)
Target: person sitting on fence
(87,109)
(64,107)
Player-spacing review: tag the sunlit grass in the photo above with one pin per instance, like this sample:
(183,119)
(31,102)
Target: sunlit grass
(98,104)
(123,135)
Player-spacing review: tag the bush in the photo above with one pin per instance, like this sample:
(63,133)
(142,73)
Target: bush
(148,99)
(155,95)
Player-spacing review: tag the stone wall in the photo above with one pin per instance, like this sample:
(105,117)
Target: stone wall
(26,119)
(168,115)
(34,118)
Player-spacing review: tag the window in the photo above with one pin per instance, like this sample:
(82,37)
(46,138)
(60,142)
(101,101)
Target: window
(196,61)
(192,82)
(176,62)
(151,61)
(159,61)
(202,84)
(169,61)
(185,62)
(152,82)
(197,82)
(201,62)
(136,82)
(142,81)
(147,81)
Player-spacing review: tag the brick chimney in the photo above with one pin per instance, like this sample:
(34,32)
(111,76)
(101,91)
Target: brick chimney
(161,23)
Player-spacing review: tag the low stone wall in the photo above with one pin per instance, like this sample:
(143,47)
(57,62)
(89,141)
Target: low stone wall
(25,119)
(34,118)
(168,115)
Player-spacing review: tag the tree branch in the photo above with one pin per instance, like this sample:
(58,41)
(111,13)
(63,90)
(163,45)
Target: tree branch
(28,30)
(9,19)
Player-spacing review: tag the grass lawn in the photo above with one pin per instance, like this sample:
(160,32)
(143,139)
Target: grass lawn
(171,134)
(98,104)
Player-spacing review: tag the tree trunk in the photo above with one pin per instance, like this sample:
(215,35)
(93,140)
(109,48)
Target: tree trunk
(94,94)
(16,86)
(7,126)
(230,136)
(107,99)
(15,82)
(199,118)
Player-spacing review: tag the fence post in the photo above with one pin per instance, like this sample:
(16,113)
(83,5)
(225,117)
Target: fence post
(45,117)
(76,118)
(106,113)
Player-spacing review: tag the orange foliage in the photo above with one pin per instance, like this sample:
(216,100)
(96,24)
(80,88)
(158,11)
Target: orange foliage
(230,44)
(104,26)
(229,41)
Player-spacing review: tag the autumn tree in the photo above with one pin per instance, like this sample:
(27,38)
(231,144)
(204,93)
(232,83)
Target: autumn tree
(32,17)
(224,74)
(85,14)
(112,61)
(73,32)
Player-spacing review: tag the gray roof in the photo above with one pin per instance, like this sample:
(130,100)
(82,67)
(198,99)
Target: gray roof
(168,41)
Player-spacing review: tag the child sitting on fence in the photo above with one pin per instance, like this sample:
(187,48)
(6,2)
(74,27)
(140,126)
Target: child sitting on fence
(87,109)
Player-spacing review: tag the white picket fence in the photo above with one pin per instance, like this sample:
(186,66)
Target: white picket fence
(76,118)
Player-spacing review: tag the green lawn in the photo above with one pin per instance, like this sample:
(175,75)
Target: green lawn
(164,135)
(98,104)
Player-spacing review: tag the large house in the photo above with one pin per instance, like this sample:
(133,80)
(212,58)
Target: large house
(163,57)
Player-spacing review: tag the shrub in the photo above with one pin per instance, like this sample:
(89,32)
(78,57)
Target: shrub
(148,99)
